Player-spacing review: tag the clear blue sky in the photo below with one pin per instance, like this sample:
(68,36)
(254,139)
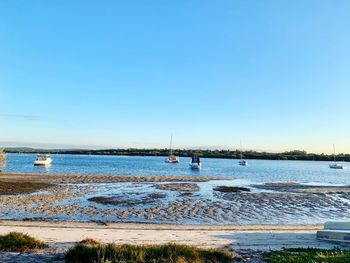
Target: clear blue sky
(274,74)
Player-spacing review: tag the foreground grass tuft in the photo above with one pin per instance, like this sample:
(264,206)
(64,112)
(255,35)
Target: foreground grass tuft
(146,253)
(90,242)
(15,241)
(306,255)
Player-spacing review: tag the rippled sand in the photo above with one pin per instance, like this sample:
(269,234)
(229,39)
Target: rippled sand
(161,199)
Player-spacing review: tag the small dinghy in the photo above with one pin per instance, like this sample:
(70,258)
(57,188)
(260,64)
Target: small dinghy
(243,162)
(335,232)
(195,163)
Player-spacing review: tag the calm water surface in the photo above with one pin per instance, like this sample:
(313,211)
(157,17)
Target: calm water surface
(257,170)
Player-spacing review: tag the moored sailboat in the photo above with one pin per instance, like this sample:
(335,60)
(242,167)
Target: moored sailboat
(336,165)
(241,161)
(171,157)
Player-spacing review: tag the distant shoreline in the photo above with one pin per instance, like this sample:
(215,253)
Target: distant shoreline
(218,154)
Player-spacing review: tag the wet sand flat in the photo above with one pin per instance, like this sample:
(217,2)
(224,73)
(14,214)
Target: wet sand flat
(101,178)
(175,200)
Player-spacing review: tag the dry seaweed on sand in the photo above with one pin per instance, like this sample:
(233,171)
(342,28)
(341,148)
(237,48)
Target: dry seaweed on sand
(227,189)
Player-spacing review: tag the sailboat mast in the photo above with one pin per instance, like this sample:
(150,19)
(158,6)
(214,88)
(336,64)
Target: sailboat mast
(334,152)
(171,142)
(241,150)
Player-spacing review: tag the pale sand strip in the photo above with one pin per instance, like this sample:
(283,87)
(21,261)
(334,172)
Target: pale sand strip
(256,237)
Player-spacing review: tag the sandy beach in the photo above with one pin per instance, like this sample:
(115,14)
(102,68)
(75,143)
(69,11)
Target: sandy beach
(63,235)
(248,241)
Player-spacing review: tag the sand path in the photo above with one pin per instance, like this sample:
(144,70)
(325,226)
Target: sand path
(241,237)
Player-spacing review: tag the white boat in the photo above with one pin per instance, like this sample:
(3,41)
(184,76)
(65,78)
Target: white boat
(172,158)
(195,163)
(336,165)
(43,159)
(335,232)
(241,161)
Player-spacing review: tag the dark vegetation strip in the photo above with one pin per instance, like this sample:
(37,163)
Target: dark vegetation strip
(305,255)
(86,253)
(15,188)
(120,200)
(229,189)
(225,154)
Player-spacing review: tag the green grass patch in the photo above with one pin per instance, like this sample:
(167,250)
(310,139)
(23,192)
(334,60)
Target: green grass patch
(291,255)
(146,254)
(15,241)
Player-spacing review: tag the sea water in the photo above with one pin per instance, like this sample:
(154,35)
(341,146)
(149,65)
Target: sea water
(257,171)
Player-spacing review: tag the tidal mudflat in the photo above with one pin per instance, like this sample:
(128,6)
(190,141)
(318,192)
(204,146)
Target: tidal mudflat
(168,199)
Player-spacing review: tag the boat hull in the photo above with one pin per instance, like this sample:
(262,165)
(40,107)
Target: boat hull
(195,166)
(243,163)
(338,166)
(172,159)
(42,163)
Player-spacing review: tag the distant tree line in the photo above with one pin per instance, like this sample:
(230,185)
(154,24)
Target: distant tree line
(225,154)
